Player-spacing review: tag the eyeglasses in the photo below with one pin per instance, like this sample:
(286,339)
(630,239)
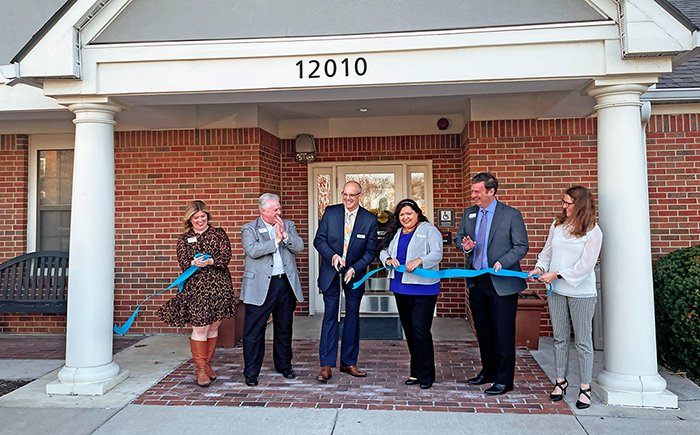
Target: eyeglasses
(566,203)
(350,195)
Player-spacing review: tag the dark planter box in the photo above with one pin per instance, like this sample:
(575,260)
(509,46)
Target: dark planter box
(231,330)
(527,320)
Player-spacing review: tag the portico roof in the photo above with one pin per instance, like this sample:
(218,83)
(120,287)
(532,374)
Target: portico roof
(182,20)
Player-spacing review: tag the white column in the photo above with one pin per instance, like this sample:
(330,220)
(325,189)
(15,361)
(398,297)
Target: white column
(630,376)
(89,368)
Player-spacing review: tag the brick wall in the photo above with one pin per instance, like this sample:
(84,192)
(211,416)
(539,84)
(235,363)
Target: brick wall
(158,172)
(673,154)
(270,164)
(534,161)
(14,174)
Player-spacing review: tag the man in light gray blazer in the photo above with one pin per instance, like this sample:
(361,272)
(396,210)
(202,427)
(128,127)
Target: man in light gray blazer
(270,285)
(493,234)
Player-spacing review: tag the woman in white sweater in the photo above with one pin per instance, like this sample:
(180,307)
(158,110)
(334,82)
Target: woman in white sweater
(566,264)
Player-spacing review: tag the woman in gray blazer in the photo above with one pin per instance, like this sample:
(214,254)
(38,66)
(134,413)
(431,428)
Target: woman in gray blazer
(415,242)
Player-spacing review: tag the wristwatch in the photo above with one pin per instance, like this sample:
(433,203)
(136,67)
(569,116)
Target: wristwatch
(559,276)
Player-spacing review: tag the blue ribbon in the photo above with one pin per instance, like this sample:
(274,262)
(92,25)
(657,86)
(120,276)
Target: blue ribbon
(179,282)
(447,273)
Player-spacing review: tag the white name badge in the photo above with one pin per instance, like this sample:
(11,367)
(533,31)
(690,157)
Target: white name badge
(360,236)
(420,236)
(191,240)
(262,230)
(472,216)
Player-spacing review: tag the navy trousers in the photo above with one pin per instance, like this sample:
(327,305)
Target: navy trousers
(494,319)
(350,345)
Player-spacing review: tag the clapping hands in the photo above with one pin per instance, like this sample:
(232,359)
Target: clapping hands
(280,230)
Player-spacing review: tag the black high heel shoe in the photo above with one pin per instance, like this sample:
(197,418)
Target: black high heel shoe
(562,386)
(587,393)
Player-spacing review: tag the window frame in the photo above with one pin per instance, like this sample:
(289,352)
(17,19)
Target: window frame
(40,142)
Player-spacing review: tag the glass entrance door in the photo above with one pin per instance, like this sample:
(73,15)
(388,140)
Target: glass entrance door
(383,185)
(382,188)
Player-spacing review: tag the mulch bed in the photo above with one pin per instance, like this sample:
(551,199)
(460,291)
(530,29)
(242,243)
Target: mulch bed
(9,386)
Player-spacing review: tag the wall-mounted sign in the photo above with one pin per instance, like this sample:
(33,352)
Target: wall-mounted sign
(446,217)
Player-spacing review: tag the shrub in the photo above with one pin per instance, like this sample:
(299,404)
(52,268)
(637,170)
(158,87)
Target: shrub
(677,302)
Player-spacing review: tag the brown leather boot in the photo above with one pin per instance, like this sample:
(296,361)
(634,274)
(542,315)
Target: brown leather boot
(211,347)
(199,355)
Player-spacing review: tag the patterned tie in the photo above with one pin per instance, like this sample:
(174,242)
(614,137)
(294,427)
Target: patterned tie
(480,242)
(346,234)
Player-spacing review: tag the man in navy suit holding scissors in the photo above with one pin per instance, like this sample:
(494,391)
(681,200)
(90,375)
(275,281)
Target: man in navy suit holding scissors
(493,234)
(347,241)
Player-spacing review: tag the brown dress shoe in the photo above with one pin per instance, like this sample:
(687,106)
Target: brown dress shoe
(325,374)
(353,371)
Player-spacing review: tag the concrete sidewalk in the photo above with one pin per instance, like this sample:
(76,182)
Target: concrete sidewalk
(29,410)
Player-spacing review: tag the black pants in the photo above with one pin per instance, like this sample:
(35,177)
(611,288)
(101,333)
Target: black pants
(416,313)
(281,302)
(494,319)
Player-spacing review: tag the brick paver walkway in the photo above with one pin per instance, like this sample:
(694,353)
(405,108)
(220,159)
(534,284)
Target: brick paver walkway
(387,365)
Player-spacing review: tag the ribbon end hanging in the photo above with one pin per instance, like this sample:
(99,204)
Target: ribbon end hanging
(121,330)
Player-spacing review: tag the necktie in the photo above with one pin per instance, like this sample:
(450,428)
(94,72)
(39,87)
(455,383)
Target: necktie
(480,242)
(346,234)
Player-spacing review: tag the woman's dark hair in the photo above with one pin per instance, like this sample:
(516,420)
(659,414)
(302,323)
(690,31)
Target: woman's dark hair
(583,219)
(395,224)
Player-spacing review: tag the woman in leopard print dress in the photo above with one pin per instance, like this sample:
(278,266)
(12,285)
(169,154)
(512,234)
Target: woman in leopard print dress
(207,296)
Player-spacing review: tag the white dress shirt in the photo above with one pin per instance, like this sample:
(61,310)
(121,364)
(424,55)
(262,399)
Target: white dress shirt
(277,265)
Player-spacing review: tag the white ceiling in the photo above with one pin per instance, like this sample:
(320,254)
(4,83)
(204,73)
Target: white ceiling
(382,101)
(535,99)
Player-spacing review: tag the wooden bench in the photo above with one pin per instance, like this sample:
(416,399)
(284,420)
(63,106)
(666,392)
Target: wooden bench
(35,283)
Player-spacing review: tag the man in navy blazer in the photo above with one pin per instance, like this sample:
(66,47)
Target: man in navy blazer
(493,234)
(346,263)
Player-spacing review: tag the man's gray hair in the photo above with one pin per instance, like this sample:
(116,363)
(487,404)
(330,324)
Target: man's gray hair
(265,198)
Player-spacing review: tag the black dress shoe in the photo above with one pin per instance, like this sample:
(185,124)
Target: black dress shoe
(497,389)
(479,380)
(251,381)
(426,385)
(411,381)
(289,374)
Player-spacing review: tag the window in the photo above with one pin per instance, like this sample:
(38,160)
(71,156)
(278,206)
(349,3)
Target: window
(50,192)
(54,184)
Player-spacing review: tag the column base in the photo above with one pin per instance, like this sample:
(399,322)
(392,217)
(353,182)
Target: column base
(628,390)
(87,381)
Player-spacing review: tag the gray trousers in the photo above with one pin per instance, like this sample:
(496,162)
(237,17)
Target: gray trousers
(567,311)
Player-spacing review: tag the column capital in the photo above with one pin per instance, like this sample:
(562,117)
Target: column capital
(92,112)
(89,108)
(616,94)
(96,107)
(619,85)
